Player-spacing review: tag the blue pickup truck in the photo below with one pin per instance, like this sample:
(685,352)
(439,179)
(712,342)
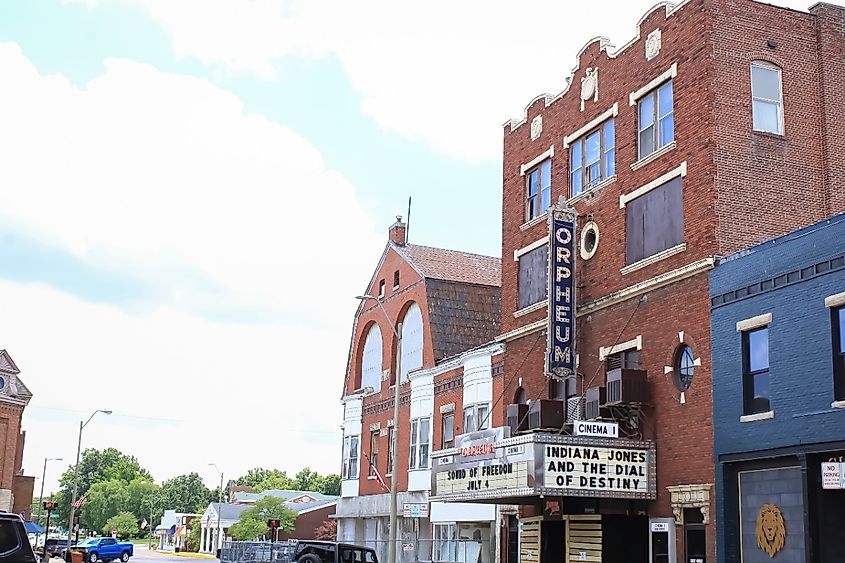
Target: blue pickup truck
(104,549)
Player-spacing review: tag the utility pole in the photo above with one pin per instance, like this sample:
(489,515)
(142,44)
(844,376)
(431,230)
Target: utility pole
(41,497)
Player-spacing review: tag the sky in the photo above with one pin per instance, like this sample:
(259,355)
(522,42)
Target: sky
(193,192)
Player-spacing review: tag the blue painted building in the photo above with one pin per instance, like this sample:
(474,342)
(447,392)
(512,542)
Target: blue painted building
(778,355)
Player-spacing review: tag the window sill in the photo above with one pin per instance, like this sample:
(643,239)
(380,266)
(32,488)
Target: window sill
(837,405)
(654,156)
(759,416)
(589,193)
(770,134)
(654,258)
(531,308)
(371,477)
(535,221)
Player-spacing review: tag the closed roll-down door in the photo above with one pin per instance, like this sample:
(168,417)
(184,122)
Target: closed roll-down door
(529,540)
(584,537)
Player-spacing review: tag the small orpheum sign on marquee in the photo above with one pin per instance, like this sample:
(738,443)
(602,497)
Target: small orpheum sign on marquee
(543,464)
(560,346)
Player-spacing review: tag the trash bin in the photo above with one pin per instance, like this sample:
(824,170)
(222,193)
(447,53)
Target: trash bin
(77,557)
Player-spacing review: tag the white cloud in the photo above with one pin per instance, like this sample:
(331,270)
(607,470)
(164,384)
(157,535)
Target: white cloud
(447,73)
(164,177)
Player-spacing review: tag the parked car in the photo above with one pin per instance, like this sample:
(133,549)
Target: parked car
(308,551)
(103,549)
(54,546)
(14,543)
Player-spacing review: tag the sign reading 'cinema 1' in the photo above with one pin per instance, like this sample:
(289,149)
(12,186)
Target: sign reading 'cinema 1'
(560,347)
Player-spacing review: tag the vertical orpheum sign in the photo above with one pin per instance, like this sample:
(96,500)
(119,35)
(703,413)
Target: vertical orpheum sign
(560,349)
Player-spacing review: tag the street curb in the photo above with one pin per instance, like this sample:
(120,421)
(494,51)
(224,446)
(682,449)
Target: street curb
(190,555)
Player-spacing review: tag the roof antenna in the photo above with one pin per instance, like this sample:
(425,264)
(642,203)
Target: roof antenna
(408,221)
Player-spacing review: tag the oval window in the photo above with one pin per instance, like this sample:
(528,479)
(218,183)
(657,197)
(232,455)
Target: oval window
(589,240)
(684,367)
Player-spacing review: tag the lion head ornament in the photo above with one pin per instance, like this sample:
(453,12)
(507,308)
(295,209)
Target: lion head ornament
(770,532)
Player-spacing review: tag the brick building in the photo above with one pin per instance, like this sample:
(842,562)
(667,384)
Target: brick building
(446,305)
(778,326)
(718,126)
(15,487)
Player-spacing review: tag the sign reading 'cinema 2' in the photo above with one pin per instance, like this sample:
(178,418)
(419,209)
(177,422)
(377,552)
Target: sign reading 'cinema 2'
(560,348)
(493,465)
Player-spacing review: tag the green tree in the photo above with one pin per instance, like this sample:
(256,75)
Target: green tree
(186,493)
(278,480)
(307,480)
(331,485)
(194,534)
(104,500)
(125,524)
(97,466)
(253,523)
(253,477)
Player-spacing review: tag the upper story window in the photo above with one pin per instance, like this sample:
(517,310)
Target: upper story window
(657,120)
(755,370)
(350,458)
(533,282)
(371,359)
(381,288)
(420,443)
(373,452)
(390,450)
(766,97)
(448,431)
(592,158)
(396,279)
(626,359)
(654,221)
(476,417)
(412,340)
(538,188)
(839,353)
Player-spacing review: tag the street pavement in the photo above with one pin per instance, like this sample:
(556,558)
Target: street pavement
(145,555)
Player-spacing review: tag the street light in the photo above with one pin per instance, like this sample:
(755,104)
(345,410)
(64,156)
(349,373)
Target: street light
(394,475)
(41,496)
(82,425)
(217,543)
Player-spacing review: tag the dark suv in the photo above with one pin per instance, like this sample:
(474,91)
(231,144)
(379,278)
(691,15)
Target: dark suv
(309,551)
(14,543)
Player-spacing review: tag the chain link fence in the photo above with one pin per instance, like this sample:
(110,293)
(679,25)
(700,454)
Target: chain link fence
(407,551)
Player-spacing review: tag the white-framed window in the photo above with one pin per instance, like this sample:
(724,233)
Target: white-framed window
(592,158)
(390,451)
(412,340)
(445,546)
(420,443)
(371,359)
(766,97)
(350,458)
(476,417)
(656,120)
(538,189)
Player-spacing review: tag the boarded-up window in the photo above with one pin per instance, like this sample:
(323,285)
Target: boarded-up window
(533,276)
(412,340)
(655,221)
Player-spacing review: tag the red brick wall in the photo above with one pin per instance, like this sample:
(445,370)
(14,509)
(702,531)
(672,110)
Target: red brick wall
(22,489)
(769,184)
(307,524)
(618,77)
(10,427)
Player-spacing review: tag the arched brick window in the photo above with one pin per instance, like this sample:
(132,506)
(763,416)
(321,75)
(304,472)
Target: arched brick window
(371,360)
(412,340)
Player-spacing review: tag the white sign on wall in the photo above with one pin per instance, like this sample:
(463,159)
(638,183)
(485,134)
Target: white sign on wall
(596,429)
(832,475)
(659,526)
(415,510)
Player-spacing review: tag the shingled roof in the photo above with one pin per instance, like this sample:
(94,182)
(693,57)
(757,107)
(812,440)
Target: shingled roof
(452,265)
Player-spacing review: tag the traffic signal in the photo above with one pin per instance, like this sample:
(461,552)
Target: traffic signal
(273,523)
(49,504)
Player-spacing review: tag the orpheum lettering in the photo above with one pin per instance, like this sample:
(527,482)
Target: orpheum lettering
(477,449)
(560,352)
(596,468)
